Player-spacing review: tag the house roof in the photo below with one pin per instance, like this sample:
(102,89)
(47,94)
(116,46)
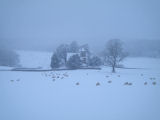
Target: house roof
(70,55)
(82,49)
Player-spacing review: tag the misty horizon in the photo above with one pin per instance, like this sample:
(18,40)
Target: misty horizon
(43,25)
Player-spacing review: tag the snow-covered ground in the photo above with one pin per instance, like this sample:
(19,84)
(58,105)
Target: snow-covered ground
(73,94)
(3,68)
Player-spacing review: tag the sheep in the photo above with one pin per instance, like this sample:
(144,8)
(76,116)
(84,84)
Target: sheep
(109,81)
(154,83)
(77,83)
(97,84)
(129,83)
(126,83)
(145,83)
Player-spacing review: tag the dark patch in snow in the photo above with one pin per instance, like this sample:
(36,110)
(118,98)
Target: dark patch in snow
(152,78)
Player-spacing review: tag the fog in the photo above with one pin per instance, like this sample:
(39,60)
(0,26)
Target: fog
(44,24)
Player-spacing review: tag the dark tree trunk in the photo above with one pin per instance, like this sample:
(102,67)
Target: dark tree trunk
(65,60)
(113,69)
(113,66)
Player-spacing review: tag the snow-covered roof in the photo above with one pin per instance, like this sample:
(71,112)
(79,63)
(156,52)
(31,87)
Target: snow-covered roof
(70,55)
(82,49)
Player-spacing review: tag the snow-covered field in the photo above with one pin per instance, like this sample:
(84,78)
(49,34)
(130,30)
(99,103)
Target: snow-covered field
(73,95)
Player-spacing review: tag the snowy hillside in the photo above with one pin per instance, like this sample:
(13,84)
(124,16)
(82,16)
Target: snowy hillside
(34,59)
(129,94)
(142,62)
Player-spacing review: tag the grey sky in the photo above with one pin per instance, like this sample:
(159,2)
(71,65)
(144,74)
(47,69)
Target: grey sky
(50,22)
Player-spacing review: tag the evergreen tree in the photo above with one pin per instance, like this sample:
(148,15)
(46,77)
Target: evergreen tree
(95,61)
(74,62)
(55,61)
(62,52)
(73,47)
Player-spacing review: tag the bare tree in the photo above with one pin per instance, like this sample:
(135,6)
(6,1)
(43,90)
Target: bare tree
(114,53)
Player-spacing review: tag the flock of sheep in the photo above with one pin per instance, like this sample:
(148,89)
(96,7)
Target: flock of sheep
(55,76)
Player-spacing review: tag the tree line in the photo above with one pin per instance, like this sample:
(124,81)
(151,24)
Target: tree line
(112,56)
(8,57)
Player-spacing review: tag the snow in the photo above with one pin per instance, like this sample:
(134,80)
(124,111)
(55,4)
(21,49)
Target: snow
(69,55)
(35,59)
(142,62)
(5,68)
(55,95)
